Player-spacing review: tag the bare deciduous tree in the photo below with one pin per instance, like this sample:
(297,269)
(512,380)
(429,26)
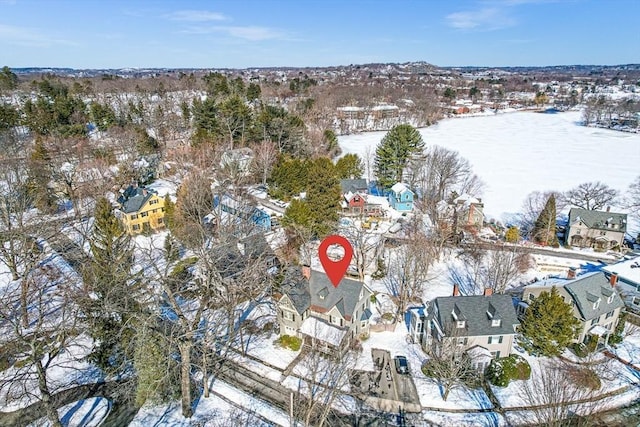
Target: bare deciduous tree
(366,246)
(408,270)
(47,341)
(590,196)
(323,381)
(448,363)
(559,392)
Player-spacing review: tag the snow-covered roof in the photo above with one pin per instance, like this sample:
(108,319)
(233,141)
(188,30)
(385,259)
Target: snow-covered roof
(628,270)
(399,187)
(322,331)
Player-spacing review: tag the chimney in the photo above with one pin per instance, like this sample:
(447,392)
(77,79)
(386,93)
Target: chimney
(571,274)
(488,292)
(613,280)
(456,291)
(144,192)
(306,272)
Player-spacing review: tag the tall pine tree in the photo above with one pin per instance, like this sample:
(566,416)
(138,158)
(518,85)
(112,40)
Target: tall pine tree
(544,229)
(39,176)
(394,151)
(111,290)
(548,325)
(323,196)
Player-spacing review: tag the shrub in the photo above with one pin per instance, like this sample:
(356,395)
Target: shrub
(501,371)
(580,349)
(584,377)
(290,342)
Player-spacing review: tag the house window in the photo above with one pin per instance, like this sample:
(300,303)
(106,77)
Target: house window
(154,211)
(636,301)
(331,319)
(144,214)
(153,202)
(577,232)
(288,315)
(603,233)
(610,299)
(135,227)
(497,339)
(134,216)
(596,304)
(160,221)
(609,314)
(363,324)
(531,297)
(496,322)
(462,341)
(460,324)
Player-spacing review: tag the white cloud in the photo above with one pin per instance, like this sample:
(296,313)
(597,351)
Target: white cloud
(196,16)
(251,33)
(24,36)
(484,19)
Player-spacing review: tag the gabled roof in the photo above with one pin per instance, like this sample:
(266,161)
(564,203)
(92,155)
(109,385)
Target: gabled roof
(353,186)
(134,198)
(598,219)
(587,289)
(344,297)
(296,288)
(474,310)
(400,187)
(320,294)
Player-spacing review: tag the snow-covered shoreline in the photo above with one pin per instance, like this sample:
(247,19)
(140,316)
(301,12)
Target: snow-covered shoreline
(521,152)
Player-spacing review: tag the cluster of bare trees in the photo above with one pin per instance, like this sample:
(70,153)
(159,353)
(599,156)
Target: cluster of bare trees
(496,269)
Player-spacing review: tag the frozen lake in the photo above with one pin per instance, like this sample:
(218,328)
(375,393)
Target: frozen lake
(517,153)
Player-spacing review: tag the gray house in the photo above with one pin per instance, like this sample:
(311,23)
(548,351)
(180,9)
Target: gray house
(627,273)
(484,326)
(593,297)
(596,229)
(328,318)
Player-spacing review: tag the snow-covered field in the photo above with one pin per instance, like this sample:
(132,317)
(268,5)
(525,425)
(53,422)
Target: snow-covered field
(517,153)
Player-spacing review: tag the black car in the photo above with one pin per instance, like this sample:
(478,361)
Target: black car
(402,366)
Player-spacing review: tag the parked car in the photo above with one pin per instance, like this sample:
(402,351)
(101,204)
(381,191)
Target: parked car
(402,366)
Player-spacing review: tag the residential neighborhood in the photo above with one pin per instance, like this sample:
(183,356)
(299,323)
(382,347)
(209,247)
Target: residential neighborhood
(213,217)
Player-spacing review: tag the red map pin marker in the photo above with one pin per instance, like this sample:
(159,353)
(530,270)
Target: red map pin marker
(335,269)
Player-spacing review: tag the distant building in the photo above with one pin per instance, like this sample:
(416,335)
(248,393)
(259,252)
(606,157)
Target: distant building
(401,197)
(596,229)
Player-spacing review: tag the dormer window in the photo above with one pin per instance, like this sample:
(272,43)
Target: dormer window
(610,299)
(460,324)
(596,304)
(496,322)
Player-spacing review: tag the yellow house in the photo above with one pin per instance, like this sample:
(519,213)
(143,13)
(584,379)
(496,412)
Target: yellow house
(142,210)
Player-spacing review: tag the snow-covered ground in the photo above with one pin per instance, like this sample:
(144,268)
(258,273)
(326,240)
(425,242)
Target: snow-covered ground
(517,153)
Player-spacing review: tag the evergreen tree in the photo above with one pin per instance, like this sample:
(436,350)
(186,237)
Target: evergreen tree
(331,140)
(298,213)
(548,325)
(349,166)
(39,178)
(544,229)
(169,212)
(110,302)
(512,235)
(323,196)
(253,92)
(102,115)
(394,151)
(8,79)
(157,371)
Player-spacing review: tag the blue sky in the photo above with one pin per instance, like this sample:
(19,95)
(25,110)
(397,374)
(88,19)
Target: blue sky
(255,33)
